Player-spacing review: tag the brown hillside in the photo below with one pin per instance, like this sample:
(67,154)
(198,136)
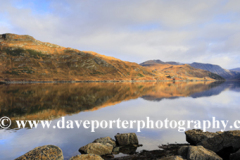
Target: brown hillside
(182,72)
(22,58)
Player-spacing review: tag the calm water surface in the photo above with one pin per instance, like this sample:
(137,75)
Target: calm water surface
(109,101)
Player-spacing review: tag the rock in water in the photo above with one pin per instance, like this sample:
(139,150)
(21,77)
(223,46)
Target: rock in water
(49,152)
(105,140)
(86,157)
(195,136)
(171,158)
(235,156)
(197,153)
(126,139)
(216,142)
(96,148)
(128,150)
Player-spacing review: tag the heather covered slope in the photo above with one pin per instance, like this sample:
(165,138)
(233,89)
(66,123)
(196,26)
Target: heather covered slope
(232,74)
(180,72)
(22,58)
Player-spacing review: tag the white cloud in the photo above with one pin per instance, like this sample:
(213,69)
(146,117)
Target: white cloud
(137,30)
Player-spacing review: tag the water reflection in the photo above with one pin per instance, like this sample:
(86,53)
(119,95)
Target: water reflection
(189,101)
(50,101)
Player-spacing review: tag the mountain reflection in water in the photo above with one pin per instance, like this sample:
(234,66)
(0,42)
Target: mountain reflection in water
(110,101)
(50,101)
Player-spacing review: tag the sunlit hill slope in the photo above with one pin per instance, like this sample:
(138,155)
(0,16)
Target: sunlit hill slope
(180,71)
(22,58)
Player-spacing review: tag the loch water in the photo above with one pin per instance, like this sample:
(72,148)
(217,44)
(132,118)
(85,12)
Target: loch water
(110,101)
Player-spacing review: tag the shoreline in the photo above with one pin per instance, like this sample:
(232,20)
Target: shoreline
(103,81)
(200,145)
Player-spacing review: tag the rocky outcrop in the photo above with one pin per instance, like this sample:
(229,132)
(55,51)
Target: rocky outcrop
(103,148)
(127,139)
(216,142)
(96,148)
(48,152)
(105,140)
(125,143)
(13,37)
(86,157)
(197,153)
(194,137)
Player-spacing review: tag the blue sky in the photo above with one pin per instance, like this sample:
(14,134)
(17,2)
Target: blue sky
(138,30)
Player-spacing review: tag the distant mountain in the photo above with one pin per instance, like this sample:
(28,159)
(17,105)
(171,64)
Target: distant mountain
(179,72)
(235,69)
(153,62)
(174,63)
(233,74)
(227,74)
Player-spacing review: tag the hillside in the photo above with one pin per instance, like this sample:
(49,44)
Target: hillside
(227,74)
(153,62)
(232,74)
(179,72)
(235,69)
(22,58)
